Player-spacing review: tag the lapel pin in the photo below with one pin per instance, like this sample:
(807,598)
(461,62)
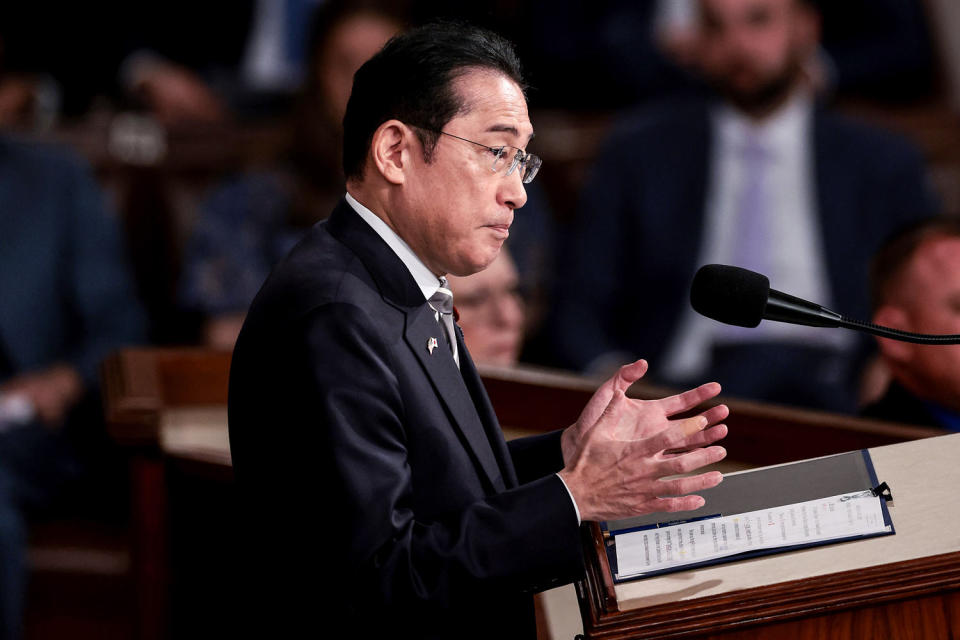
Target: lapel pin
(431,345)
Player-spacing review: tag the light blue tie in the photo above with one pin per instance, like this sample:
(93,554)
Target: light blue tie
(442,303)
(751,244)
(752,248)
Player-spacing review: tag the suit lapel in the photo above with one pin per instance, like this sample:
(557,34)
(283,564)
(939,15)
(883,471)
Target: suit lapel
(400,290)
(487,415)
(422,328)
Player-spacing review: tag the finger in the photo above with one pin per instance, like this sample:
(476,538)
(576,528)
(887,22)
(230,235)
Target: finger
(681,435)
(613,406)
(690,461)
(629,373)
(685,503)
(675,435)
(688,399)
(689,484)
(713,415)
(716,414)
(697,440)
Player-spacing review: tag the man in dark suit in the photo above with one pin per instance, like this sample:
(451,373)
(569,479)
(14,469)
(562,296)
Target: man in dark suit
(759,176)
(916,288)
(363,441)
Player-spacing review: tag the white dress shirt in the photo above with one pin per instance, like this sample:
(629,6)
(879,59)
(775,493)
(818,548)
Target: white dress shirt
(795,244)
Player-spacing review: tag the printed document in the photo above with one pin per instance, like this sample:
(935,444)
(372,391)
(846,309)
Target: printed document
(669,546)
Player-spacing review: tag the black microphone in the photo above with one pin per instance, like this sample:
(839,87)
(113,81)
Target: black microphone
(743,298)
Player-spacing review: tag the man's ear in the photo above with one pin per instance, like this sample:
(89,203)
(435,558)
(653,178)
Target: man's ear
(895,352)
(390,150)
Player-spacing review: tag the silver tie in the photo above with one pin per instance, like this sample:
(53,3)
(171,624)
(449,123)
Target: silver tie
(442,303)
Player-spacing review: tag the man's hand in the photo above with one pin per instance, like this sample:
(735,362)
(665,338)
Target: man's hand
(53,392)
(619,383)
(620,450)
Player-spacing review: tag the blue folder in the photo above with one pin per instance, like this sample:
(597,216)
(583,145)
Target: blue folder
(764,488)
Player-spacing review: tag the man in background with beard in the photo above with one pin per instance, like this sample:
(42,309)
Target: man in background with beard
(755,174)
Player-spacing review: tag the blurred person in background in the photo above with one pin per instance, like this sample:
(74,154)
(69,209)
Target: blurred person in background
(67,301)
(879,50)
(756,174)
(201,62)
(491,311)
(624,52)
(252,220)
(916,288)
(186,63)
(247,58)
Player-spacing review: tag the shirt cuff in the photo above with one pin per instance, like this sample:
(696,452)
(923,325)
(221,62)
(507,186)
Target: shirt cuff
(575,507)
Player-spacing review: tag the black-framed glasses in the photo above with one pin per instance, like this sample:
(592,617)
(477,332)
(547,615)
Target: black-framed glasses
(528,163)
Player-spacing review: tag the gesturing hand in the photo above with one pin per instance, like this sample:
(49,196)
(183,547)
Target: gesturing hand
(620,450)
(619,383)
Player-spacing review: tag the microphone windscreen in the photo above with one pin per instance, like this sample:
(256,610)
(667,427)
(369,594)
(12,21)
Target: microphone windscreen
(730,294)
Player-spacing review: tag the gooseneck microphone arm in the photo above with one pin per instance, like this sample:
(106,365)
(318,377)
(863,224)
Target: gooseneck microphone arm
(896,334)
(743,298)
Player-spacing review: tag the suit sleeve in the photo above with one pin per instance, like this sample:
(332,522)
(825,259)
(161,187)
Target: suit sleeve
(521,539)
(536,456)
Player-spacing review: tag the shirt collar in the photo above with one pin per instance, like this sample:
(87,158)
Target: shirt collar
(783,129)
(425,279)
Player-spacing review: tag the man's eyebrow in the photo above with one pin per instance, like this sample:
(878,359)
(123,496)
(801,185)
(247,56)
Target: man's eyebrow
(508,128)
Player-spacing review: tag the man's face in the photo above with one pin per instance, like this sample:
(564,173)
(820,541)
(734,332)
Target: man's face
(456,211)
(752,51)
(491,312)
(931,301)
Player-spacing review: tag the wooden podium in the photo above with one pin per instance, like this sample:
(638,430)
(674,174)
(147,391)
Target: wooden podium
(901,586)
(167,407)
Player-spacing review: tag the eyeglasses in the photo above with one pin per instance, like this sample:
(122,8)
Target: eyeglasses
(529,164)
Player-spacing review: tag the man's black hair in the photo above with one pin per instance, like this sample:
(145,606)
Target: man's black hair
(412,80)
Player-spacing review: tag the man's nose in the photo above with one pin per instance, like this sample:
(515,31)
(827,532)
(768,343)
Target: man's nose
(512,192)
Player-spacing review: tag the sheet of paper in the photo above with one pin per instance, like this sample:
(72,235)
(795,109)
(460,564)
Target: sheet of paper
(665,547)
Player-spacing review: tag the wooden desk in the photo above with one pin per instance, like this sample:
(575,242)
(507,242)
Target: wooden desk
(901,586)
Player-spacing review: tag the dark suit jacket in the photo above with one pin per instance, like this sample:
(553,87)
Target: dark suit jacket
(634,251)
(377,468)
